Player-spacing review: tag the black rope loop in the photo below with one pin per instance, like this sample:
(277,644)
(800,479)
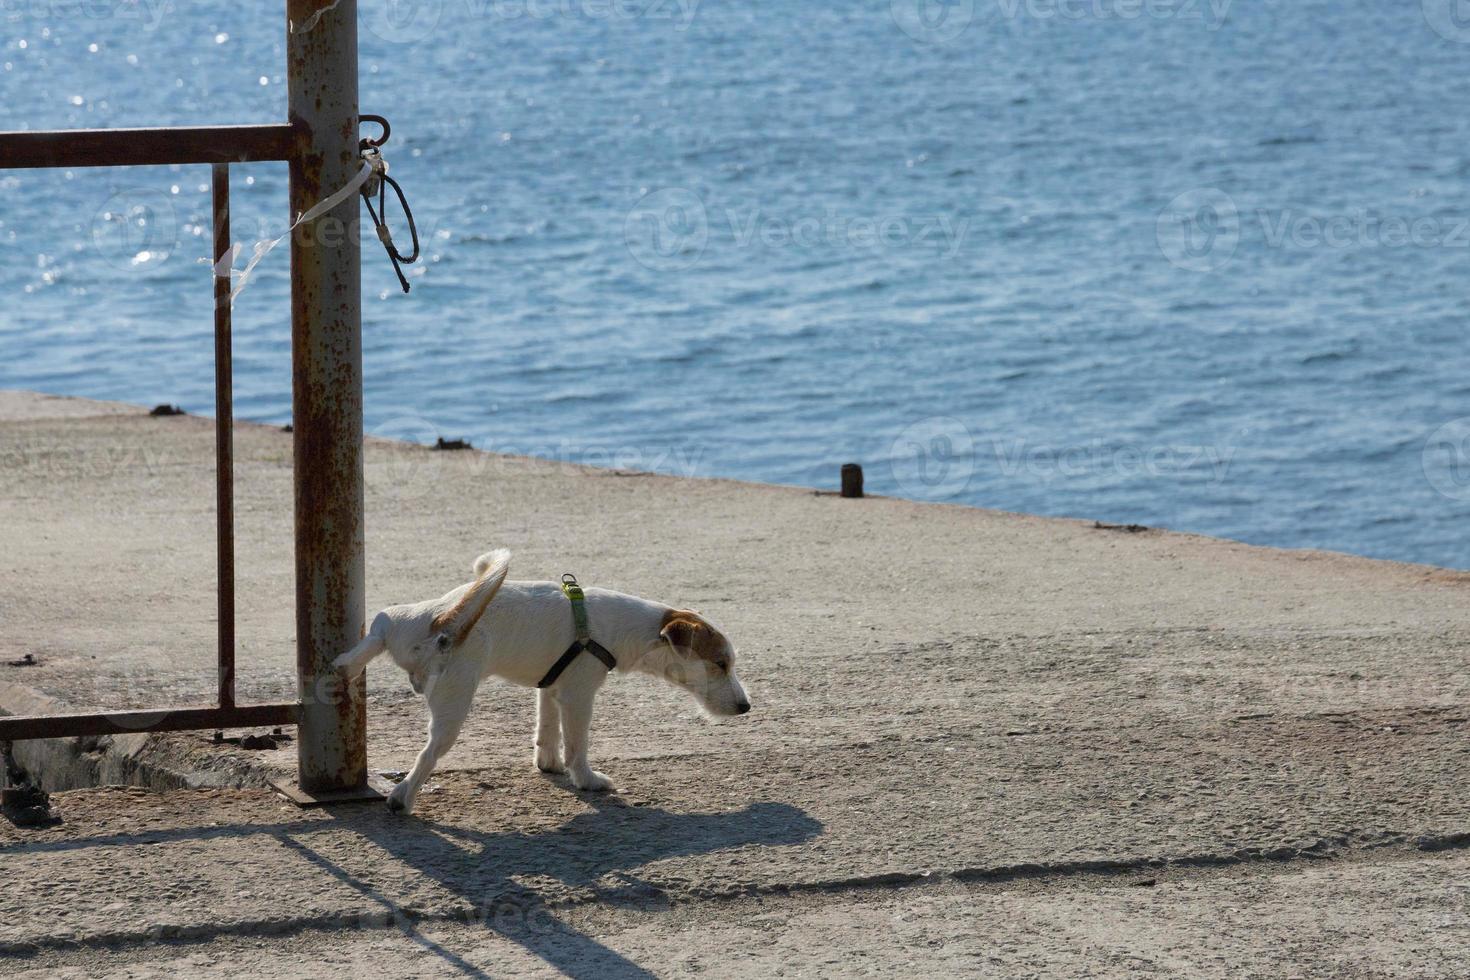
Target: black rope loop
(378,184)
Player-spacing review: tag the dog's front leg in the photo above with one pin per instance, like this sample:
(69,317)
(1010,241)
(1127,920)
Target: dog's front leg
(449,705)
(575,702)
(548,733)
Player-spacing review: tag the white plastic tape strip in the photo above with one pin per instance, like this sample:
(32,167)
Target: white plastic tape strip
(224,268)
(312,20)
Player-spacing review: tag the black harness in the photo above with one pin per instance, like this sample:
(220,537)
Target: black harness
(584,641)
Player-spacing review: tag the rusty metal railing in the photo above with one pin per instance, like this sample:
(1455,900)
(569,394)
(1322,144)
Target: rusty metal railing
(146,147)
(218,146)
(320,144)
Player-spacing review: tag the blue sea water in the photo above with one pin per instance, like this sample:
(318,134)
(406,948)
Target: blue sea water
(1200,264)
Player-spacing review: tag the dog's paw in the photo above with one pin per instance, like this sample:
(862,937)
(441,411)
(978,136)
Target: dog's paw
(399,801)
(549,760)
(592,782)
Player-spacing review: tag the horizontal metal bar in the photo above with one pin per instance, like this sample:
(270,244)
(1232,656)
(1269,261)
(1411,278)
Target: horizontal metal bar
(15,728)
(145,147)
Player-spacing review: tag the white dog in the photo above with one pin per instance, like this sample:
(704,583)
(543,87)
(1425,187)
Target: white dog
(448,645)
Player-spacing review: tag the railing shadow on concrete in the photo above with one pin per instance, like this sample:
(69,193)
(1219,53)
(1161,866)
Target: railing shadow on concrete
(485,870)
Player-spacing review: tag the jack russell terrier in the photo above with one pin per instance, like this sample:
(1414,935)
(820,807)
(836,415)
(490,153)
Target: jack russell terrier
(552,637)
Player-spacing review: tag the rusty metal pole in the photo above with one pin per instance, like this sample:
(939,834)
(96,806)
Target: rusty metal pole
(326,355)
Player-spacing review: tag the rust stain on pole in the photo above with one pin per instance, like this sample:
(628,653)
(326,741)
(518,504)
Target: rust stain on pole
(326,339)
(224,442)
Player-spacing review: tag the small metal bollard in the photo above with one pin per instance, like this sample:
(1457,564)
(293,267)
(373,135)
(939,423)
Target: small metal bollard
(852,480)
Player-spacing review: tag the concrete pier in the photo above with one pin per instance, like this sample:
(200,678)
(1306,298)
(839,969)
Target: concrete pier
(982,743)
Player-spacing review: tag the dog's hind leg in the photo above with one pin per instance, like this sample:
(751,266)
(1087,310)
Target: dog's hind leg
(575,702)
(449,704)
(548,733)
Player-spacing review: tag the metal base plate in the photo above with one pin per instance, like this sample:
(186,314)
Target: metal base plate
(376,790)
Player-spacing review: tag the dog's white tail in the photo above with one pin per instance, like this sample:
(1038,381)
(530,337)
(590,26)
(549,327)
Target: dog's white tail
(459,619)
(499,556)
(456,621)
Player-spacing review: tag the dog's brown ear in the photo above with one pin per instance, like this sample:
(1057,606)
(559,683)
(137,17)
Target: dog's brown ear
(680,633)
(460,618)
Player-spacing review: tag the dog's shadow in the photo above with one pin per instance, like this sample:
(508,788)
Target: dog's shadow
(487,870)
